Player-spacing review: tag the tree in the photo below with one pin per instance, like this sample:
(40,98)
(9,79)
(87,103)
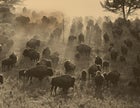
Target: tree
(5,9)
(124,7)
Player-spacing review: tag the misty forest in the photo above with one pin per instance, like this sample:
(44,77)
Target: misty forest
(49,60)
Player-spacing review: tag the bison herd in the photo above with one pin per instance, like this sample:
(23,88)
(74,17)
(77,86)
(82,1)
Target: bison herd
(46,63)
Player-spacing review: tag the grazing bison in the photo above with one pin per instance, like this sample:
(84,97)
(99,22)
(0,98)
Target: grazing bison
(69,67)
(39,72)
(33,43)
(64,82)
(112,78)
(45,62)
(98,61)
(128,43)
(9,62)
(46,53)
(124,50)
(1,79)
(81,38)
(106,37)
(92,70)
(105,65)
(114,54)
(84,49)
(32,54)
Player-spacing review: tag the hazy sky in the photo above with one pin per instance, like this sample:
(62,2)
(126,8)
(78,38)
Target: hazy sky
(70,7)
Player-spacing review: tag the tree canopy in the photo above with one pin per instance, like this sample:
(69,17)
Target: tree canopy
(124,7)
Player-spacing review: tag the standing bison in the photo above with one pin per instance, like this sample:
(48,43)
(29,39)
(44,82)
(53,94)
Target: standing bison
(45,62)
(92,70)
(106,37)
(112,78)
(84,50)
(71,39)
(33,43)
(46,53)
(1,79)
(64,82)
(39,72)
(9,62)
(114,54)
(32,54)
(81,38)
(98,60)
(69,66)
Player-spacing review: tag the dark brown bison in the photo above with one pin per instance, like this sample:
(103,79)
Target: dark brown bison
(84,50)
(46,53)
(9,62)
(114,54)
(105,65)
(99,80)
(92,70)
(32,54)
(71,39)
(64,82)
(1,79)
(112,78)
(98,60)
(45,62)
(84,75)
(81,38)
(33,43)
(106,37)
(55,58)
(69,66)
(39,72)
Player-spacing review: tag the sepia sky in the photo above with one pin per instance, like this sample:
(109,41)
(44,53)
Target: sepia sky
(70,7)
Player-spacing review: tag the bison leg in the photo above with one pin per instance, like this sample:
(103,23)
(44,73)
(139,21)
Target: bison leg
(52,89)
(55,88)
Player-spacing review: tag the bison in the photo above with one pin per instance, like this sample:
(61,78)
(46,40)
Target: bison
(33,43)
(84,50)
(1,79)
(112,78)
(32,54)
(81,38)
(98,61)
(106,37)
(114,54)
(9,62)
(69,67)
(46,53)
(39,72)
(92,70)
(45,62)
(64,82)
(105,65)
